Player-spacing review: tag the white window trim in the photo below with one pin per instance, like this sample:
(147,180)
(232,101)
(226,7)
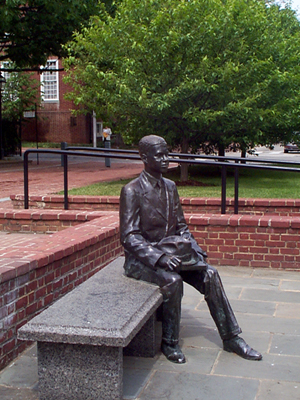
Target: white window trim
(56,98)
(6,64)
(13,95)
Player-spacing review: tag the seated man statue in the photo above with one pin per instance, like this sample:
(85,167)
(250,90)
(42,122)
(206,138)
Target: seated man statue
(160,249)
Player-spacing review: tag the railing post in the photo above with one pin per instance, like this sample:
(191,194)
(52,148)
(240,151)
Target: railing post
(107,146)
(26,180)
(223,194)
(236,190)
(65,160)
(63,146)
(65,153)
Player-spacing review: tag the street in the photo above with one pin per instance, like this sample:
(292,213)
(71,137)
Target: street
(276,154)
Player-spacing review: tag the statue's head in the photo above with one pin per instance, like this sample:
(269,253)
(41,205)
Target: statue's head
(147,142)
(154,154)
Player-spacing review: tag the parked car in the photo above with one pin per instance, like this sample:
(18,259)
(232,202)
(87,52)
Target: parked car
(290,147)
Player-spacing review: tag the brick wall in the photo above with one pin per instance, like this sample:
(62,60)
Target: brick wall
(267,241)
(55,121)
(53,202)
(46,221)
(282,207)
(58,126)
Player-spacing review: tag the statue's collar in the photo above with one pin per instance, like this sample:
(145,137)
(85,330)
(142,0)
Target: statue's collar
(153,181)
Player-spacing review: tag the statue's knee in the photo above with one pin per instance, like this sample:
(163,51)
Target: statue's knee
(212,273)
(174,287)
(177,282)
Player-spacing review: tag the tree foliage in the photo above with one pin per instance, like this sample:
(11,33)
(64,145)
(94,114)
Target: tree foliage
(31,30)
(202,73)
(21,93)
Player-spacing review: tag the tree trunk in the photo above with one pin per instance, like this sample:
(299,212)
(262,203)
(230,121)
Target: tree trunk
(184,167)
(221,150)
(243,155)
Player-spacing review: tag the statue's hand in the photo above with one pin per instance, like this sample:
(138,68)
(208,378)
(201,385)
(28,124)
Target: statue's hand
(169,263)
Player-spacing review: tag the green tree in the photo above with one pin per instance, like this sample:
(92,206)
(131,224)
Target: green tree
(202,73)
(31,30)
(21,93)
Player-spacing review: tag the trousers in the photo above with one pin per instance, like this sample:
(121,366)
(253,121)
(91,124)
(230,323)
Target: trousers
(206,280)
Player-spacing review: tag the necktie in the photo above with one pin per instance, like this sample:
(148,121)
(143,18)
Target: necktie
(161,190)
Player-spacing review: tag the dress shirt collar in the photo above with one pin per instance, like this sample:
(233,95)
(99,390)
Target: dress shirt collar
(153,181)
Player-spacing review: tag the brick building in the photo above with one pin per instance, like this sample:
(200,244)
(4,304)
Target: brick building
(53,120)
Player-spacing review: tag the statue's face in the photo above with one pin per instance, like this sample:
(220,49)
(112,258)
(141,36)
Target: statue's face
(157,159)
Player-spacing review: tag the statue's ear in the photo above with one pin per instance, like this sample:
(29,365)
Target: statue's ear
(144,158)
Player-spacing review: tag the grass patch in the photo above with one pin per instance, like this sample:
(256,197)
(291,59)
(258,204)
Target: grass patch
(253,183)
(112,188)
(50,145)
(41,145)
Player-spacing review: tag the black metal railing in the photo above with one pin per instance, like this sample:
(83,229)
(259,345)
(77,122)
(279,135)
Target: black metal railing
(223,161)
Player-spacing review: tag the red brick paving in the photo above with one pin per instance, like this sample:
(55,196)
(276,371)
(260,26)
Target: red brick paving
(47,177)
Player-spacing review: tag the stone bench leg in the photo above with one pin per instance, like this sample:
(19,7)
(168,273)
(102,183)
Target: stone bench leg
(146,342)
(78,372)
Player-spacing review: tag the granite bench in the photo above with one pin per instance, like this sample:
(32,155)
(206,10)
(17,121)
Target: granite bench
(81,338)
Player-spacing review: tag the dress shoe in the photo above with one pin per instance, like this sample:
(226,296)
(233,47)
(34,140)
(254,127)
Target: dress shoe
(239,346)
(173,353)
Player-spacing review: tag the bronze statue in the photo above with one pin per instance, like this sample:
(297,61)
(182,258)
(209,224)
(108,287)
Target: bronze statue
(160,249)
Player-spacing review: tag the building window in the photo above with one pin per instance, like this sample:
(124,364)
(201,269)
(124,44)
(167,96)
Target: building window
(73,120)
(12,86)
(49,81)
(99,129)
(6,74)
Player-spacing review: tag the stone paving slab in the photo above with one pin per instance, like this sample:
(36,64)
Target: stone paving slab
(290,285)
(7,393)
(207,338)
(254,307)
(265,323)
(285,344)
(193,355)
(275,273)
(253,283)
(271,295)
(210,373)
(182,386)
(247,306)
(278,390)
(20,374)
(280,367)
(288,310)
(20,379)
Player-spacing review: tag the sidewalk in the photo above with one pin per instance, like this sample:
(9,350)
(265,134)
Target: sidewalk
(267,306)
(47,177)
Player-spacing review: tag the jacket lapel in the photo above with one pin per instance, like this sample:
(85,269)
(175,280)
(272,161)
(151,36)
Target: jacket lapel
(150,196)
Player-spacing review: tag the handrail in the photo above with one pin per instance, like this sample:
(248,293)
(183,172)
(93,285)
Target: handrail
(187,155)
(174,157)
(65,154)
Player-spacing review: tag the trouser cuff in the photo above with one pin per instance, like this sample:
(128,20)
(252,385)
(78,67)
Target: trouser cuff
(170,342)
(231,335)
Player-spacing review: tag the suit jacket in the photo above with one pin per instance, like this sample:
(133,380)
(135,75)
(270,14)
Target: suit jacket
(145,219)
